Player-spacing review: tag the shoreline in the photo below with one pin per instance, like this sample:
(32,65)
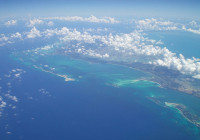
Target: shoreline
(59,75)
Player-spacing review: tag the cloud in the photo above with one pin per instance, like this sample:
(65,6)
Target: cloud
(98,30)
(52,32)
(101,20)
(161,25)
(69,35)
(191,30)
(89,19)
(43,91)
(34,22)
(3,38)
(33,33)
(2,105)
(155,24)
(194,24)
(78,36)
(9,39)
(11,22)
(50,23)
(16,35)
(14,98)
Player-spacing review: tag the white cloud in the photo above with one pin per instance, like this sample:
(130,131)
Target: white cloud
(89,19)
(78,36)
(52,32)
(194,24)
(50,23)
(154,24)
(48,47)
(159,42)
(33,33)
(34,22)
(69,35)
(2,103)
(160,25)
(3,38)
(191,30)
(101,20)
(95,30)
(43,91)
(9,38)
(11,22)
(14,98)
(16,35)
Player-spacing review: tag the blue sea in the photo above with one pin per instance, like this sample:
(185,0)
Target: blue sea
(104,102)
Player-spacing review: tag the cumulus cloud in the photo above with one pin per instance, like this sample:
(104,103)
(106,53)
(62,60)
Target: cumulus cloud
(161,25)
(7,96)
(154,24)
(9,39)
(2,105)
(11,22)
(33,33)
(78,36)
(34,22)
(101,20)
(97,30)
(3,38)
(16,35)
(14,98)
(69,35)
(43,91)
(191,30)
(89,19)
(194,24)
(52,32)
(50,23)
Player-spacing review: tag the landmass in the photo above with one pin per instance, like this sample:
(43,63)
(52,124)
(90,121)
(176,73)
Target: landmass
(163,76)
(169,78)
(66,77)
(185,113)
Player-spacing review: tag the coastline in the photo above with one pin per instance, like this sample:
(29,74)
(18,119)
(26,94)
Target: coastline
(66,77)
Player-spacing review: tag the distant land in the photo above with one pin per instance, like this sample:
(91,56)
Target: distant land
(164,76)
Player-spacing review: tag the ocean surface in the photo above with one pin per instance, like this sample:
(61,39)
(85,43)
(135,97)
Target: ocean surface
(97,100)
(105,101)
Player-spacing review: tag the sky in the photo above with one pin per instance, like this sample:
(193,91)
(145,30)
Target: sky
(140,8)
